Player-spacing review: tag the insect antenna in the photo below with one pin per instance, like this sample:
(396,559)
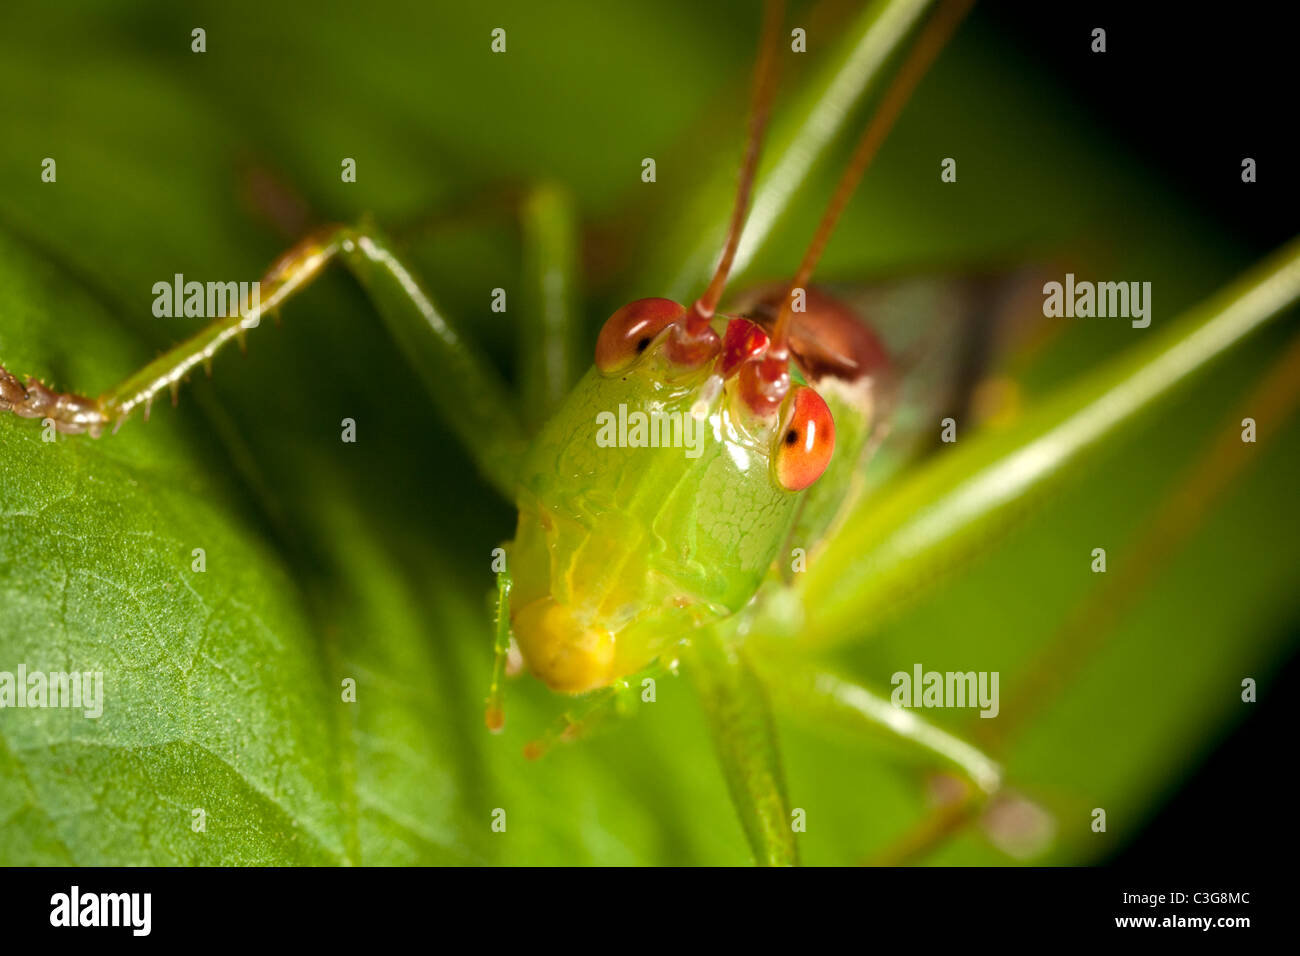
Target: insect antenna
(765,73)
(933,37)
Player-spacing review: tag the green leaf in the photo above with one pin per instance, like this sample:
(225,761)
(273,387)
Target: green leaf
(213,685)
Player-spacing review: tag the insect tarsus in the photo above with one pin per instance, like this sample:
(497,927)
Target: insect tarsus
(70,413)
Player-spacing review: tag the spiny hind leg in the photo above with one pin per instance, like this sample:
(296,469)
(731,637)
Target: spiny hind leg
(464,388)
(72,413)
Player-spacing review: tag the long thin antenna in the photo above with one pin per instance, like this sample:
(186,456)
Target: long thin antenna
(765,72)
(932,39)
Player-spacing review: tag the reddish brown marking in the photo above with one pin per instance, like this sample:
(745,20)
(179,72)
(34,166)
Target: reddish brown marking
(71,413)
(744,340)
(764,383)
(826,339)
(692,342)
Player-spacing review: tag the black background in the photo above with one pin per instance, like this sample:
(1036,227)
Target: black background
(1193,89)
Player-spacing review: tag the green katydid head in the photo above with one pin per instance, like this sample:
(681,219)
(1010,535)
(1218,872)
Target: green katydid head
(658,496)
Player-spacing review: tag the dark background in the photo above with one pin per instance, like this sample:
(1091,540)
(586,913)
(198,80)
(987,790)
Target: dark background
(1192,94)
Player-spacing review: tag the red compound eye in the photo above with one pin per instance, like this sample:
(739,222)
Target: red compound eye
(805,442)
(630,330)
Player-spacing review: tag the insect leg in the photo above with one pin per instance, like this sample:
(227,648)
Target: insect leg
(611,701)
(462,385)
(807,692)
(744,737)
(464,388)
(811,694)
(936,828)
(549,335)
(495,718)
(885,555)
(1272,401)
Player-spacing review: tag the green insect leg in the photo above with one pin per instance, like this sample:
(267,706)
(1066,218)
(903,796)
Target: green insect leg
(744,737)
(549,361)
(809,693)
(495,717)
(617,700)
(464,388)
(815,695)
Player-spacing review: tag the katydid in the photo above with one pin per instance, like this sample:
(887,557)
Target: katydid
(627,558)
(619,556)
